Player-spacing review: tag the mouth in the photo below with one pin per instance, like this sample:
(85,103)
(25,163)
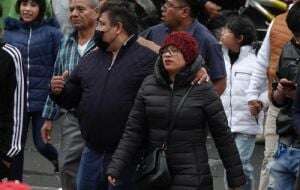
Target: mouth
(168,62)
(26,15)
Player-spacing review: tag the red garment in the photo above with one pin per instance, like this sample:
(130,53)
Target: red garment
(13,186)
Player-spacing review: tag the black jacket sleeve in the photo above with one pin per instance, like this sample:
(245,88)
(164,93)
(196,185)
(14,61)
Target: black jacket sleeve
(132,138)
(223,138)
(71,94)
(202,3)
(12,102)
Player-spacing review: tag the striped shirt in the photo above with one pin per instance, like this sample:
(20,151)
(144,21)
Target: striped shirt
(12,143)
(67,58)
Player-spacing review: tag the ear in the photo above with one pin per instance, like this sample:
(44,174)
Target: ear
(185,12)
(240,39)
(119,27)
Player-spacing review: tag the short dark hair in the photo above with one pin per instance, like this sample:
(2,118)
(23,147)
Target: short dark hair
(292,19)
(121,12)
(193,5)
(42,7)
(240,25)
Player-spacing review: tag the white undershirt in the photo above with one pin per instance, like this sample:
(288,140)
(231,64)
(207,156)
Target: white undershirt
(81,48)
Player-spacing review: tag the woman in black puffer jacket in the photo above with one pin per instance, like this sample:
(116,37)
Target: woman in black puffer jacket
(155,103)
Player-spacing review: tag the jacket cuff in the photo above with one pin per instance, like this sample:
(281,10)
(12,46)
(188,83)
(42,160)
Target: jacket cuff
(234,182)
(252,97)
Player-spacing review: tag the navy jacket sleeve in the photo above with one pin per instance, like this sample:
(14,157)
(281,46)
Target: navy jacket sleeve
(71,94)
(132,138)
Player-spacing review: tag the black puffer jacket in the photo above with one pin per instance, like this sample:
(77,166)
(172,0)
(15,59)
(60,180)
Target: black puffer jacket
(187,155)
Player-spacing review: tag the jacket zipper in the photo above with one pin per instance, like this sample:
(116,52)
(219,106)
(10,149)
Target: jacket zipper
(28,66)
(106,78)
(230,96)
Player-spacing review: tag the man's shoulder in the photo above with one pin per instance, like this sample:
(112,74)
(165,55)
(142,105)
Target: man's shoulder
(154,30)
(158,27)
(202,33)
(290,50)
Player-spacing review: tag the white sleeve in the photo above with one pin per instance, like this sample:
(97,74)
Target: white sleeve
(258,81)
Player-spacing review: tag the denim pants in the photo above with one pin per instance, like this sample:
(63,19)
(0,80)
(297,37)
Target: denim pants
(91,174)
(284,168)
(245,144)
(47,150)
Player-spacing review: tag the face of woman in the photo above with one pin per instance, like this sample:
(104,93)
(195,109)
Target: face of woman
(173,60)
(229,40)
(29,11)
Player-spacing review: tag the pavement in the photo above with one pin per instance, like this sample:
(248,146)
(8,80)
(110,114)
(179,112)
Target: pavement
(39,173)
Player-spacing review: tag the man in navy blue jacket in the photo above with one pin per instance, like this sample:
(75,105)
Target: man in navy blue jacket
(103,88)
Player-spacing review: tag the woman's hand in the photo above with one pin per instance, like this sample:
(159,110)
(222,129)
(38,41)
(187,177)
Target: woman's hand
(112,180)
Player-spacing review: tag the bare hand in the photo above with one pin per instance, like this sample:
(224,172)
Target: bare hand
(287,88)
(58,82)
(255,106)
(46,131)
(201,76)
(212,9)
(6,163)
(112,180)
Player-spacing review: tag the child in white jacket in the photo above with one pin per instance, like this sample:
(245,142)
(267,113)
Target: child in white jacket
(237,38)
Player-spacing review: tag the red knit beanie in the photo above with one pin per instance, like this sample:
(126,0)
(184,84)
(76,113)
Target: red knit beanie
(185,42)
(13,186)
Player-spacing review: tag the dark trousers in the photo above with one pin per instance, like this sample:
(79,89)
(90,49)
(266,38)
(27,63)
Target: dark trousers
(47,150)
(4,172)
(91,174)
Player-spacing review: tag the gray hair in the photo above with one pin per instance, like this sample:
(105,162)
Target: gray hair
(94,3)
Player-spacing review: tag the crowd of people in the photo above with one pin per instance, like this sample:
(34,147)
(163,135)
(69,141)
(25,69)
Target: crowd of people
(120,92)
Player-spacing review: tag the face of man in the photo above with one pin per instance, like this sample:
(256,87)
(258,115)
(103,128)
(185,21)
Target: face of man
(109,31)
(82,14)
(171,12)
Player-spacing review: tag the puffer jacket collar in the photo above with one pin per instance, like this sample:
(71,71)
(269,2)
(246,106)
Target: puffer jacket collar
(183,78)
(11,23)
(244,52)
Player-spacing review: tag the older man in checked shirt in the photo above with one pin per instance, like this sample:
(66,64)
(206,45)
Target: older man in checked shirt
(83,17)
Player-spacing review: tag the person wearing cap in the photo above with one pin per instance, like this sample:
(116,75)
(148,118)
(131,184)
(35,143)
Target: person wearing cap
(148,120)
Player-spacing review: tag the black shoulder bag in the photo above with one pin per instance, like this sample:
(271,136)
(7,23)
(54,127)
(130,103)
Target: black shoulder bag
(153,171)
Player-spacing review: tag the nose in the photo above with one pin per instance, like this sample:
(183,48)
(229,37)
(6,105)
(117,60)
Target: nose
(73,12)
(163,7)
(26,8)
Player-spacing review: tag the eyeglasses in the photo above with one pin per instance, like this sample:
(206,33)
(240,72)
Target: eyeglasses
(168,4)
(171,50)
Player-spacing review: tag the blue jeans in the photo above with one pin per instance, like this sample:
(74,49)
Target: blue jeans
(245,144)
(285,167)
(91,173)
